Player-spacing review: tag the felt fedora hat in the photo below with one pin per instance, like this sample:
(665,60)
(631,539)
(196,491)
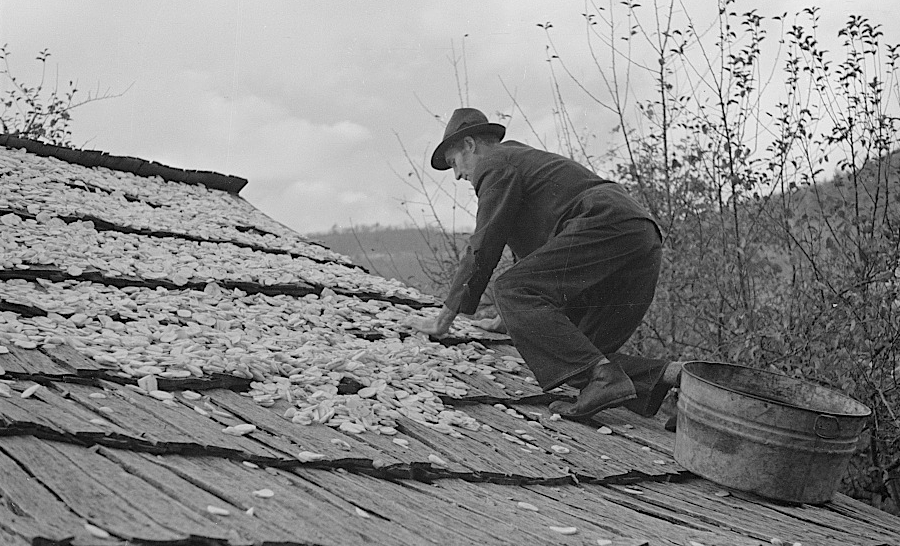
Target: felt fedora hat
(464,122)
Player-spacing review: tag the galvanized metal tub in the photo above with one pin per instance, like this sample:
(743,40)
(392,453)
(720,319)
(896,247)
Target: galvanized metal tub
(758,431)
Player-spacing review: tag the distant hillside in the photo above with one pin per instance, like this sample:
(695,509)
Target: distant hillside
(390,252)
(837,214)
(873,192)
(401,252)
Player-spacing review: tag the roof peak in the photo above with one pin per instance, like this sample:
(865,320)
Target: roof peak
(137,166)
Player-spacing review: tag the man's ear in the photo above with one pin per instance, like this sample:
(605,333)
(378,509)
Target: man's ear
(469,144)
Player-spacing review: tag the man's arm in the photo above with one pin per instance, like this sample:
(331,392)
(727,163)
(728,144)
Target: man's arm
(499,202)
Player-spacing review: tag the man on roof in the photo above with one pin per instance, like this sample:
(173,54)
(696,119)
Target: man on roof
(587,262)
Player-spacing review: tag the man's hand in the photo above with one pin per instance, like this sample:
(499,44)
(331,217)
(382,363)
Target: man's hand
(437,326)
(491,324)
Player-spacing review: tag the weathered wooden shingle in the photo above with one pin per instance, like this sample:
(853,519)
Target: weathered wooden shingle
(150,350)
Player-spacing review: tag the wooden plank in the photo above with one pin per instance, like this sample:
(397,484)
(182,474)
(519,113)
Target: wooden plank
(308,519)
(531,431)
(644,497)
(602,506)
(143,497)
(405,503)
(584,444)
(12,364)
(391,501)
(473,393)
(281,449)
(25,362)
(117,409)
(47,415)
(483,388)
(523,390)
(845,506)
(488,455)
(339,448)
(28,509)
(495,509)
(587,444)
(412,458)
(375,527)
(17,416)
(68,417)
(69,358)
(175,428)
(100,493)
(315,438)
(761,519)
(9,538)
(539,513)
(192,493)
(647,431)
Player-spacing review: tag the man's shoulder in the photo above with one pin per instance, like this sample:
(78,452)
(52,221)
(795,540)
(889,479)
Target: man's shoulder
(512,152)
(514,144)
(515,147)
(511,156)
(502,154)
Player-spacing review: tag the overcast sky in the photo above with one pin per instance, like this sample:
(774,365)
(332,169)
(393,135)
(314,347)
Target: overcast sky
(311,100)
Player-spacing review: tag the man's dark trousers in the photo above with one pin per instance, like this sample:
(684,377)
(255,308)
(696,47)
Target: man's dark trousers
(578,299)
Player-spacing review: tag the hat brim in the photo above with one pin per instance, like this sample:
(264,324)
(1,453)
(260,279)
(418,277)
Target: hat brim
(439,162)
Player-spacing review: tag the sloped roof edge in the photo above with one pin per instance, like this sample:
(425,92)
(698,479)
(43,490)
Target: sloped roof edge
(140,167)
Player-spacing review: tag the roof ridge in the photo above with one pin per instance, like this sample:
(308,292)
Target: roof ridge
(133,165)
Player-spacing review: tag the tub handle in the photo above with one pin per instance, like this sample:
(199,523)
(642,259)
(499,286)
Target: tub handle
(827,427)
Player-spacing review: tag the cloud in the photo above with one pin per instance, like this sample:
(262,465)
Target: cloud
(289,146)
(304,172)
(248,135)
(314,205)
(352,197)
(304,98)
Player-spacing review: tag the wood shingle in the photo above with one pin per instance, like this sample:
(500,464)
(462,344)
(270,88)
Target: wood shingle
(178,368)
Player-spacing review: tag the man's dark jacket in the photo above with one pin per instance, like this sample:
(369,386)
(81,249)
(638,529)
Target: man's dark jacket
(525,197)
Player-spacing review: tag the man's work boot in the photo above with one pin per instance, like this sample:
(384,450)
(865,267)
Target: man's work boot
(608,387)
(581,380)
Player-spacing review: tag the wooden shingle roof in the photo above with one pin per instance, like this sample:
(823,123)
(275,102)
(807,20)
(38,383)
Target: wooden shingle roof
(178,368)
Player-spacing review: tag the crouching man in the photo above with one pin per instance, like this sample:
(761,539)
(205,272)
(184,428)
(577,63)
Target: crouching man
(588,259)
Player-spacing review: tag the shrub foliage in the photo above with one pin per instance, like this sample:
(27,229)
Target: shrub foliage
(42,111)
(771,260)
(772,166)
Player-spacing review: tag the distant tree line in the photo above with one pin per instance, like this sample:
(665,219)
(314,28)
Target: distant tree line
(770,260)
